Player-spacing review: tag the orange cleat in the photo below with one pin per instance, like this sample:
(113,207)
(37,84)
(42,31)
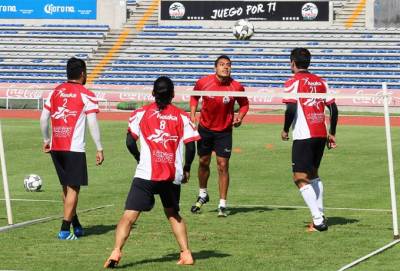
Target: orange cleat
(312,227)
(186,258)
(114,259)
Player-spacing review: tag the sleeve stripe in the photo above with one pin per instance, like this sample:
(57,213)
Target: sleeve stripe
(92,111)
(190,139)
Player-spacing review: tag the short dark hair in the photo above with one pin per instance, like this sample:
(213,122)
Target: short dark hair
(301,57)
(75,67)
(221,57)
(163,91)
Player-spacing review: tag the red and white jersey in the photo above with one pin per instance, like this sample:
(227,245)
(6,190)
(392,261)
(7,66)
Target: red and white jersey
(69,104)
(310,119)
(217,112)
(162,135)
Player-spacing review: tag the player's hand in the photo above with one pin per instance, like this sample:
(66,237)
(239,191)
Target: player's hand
(186,177)
(284,136)
(193,119)
(331,142)
(99,158)
(46,147)
(237,122)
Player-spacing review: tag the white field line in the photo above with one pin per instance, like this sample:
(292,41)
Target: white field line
(350,265)
(35,200)
(305,207)
(45,219)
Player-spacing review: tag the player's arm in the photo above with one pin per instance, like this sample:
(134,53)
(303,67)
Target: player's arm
(190,152)
(334,114)
(243,109)
(95,133)
(194,101)
(44,127)
(290,114)
(132,146)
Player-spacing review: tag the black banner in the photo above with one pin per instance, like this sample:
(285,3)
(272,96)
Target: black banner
(254,11)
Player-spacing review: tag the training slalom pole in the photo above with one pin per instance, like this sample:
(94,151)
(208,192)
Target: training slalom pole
(390,162)
(5,179)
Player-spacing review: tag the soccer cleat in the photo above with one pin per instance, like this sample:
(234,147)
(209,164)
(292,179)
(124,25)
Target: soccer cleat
(186,258)
(222,212)
(199,202)
(321,227)
(114,259)
(67,235)
(78,231)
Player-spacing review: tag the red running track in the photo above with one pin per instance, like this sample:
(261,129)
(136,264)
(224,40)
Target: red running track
(263,119)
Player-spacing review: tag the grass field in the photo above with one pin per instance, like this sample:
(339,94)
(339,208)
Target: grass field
(258,235)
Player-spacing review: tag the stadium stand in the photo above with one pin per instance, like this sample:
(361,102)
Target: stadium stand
(38,53)
(354,58)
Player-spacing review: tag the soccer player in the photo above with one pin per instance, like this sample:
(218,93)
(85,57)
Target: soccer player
(162,129)
(309,133)
(215,128)
(68,107)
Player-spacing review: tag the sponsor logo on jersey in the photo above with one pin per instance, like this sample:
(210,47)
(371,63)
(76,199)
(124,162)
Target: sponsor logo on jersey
(61,131)
(226,99)
(63,113)
(163,117)
(163,157)
(162,137)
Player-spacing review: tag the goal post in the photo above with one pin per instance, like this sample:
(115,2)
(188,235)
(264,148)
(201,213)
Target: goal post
(390,161)
(5,179)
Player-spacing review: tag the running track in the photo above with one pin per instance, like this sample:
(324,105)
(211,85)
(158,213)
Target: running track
(272,119)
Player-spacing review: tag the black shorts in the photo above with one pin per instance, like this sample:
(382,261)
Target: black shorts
(307,154)
(141,195)
(220,142)
(71,167)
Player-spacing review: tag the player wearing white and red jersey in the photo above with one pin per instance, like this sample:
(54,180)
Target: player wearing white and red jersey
(162,130)
(216,121)
(68,107)
(309,133)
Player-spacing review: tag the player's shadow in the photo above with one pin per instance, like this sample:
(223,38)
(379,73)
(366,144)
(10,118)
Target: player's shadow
(238,210)
(337,220)
(173,257)
(98,229)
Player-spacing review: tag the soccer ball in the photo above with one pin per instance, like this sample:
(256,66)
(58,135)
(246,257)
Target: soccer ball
(243,29)
(32,182)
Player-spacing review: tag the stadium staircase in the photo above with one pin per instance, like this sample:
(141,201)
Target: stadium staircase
(345,12)
(136,10)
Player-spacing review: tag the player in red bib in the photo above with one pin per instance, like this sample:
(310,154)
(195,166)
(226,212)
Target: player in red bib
(69,106)
(215,128)
(162,130)
(309,133)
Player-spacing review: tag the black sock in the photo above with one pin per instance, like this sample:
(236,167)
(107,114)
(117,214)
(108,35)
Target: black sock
(75,221)
(65,226)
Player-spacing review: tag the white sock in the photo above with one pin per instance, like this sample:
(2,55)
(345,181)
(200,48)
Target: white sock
(203,192)
(222,203)
(319,191)
(310,199)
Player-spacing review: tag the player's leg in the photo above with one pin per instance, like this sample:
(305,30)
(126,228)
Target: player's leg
(302,158)
(140,198)
(223,180)
(316,182)
(204,150)
(223,149)
(121,235)
(170,194)
(70,198)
